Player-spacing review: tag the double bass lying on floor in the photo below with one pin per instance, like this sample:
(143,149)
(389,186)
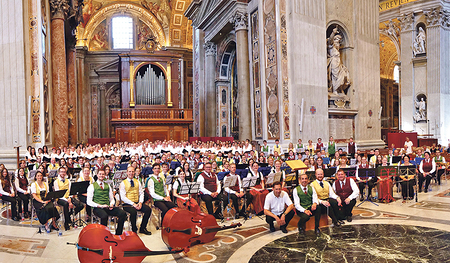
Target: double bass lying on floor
(182,228)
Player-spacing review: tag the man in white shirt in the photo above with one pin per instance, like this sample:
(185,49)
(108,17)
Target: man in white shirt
(158,191)
(328,199)
(307,204)
(409,145)
(347,190)
(235,192)
(100,197)
(278,207)
(210,189)
(132,196)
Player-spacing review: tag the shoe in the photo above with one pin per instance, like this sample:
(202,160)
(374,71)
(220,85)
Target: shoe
(317,231)
(236,216)
(426,190)
(349,218)
(272,229)
(15,218)
(218,216)
(284,230)
(301,232)
(341,222)
(361,199)
(66,227)
(145,231)
(337,224)
(420,190)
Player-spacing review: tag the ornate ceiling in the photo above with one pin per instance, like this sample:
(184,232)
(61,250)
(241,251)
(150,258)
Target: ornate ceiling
(389,47)
(164,18)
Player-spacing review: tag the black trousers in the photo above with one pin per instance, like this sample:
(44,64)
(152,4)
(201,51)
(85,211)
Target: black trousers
(287,219)
(235,199)
(133,215)
(427,180)
(370,185)
(332,210)
(103,213)
(408,188)
(83,199)
(209,203)
(13,201)
(305,218)
(78,207)
(164,206)
(25,200)
(346,209)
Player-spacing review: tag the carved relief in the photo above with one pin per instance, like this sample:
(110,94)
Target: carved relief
(210,49)
(240,21)
(406,21)
(161,9)
(392,29)
(59,7)
(256,74)
(284,69)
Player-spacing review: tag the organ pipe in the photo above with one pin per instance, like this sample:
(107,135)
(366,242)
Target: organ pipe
(150,88)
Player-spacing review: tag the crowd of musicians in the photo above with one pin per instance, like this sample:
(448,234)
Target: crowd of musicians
(129,178)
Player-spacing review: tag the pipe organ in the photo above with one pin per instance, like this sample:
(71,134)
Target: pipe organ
(150,87)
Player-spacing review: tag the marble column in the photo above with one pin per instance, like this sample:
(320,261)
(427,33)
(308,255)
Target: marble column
(83,95)
(102,106)
(59,78)
(72,95)
(210,87)
(240,21)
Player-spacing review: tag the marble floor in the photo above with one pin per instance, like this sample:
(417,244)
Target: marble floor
(394,232)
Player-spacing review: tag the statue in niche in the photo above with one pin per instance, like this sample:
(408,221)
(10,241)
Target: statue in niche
(338,75)
(421,109)
(419,42)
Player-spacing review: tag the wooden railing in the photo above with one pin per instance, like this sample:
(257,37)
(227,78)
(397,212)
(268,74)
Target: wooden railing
(152,114)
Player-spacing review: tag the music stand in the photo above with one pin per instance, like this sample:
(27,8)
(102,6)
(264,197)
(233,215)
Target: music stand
(54,195)
(189,189)
(79,188)
(387,172)
(273,178)
(32,175)
(228,182)
(290,179)
(311,175)
(407,171)
(367,173)
(246,184)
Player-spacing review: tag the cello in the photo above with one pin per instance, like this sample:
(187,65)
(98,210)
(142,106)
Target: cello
(182,228)
(97,244)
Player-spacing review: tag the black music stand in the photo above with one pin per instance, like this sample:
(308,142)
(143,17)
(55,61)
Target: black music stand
(54,195)
(290,180)
(189,189)
(406,171)
(79,188)
(246,184)
(367,173)
(230,181)
(311,175)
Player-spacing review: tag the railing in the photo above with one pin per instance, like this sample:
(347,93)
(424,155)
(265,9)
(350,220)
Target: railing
(152,114)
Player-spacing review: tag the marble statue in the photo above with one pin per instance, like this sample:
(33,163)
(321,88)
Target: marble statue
(419,43)
(421,113)
(338,75)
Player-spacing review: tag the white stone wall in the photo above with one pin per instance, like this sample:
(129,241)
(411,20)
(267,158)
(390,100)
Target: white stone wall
(13,112)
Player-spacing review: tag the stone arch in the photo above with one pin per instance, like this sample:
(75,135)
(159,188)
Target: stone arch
(125,8)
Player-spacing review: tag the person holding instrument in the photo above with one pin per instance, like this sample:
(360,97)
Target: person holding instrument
(23,192)
(45,210)
(278,207)
(183,201)
(86,176)
(427,169)
(132,196)
(100,197)
(235,192)
(258,192)
(307,205)
(407,181)
(7,192)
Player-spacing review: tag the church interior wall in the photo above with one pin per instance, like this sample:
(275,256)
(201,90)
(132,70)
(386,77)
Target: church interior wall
(13,116)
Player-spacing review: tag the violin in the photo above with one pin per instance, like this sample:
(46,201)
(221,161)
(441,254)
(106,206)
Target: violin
(182,228)
(97,244)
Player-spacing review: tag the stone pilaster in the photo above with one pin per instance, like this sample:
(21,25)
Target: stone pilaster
(102,106)
(72,95)
(59,9)
(240,21)
(210,88)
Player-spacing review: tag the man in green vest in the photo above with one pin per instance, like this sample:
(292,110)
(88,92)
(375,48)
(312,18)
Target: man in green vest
(158,191)
(307,205)
(100,197)
(331,147)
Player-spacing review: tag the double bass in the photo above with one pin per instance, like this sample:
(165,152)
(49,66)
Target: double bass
(182,228)
(97,244)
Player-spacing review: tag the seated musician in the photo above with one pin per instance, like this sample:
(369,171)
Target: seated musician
(63,183)
(374,158)
(23,193)
(407,181)
(369,181)
(347,190)
(158,191)
(100,197)
(278,207)
(343,163)
(328,199)
(307,205)
(277,169)
(320,164)
(427,169)
(45,210)
(53,164)
(86,176)
(183,200)
(439,160)
(7,192)
(258,191)
(210,190)
(235,192)
(132,197)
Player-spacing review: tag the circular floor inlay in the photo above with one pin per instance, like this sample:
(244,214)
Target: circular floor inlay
(360,243)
